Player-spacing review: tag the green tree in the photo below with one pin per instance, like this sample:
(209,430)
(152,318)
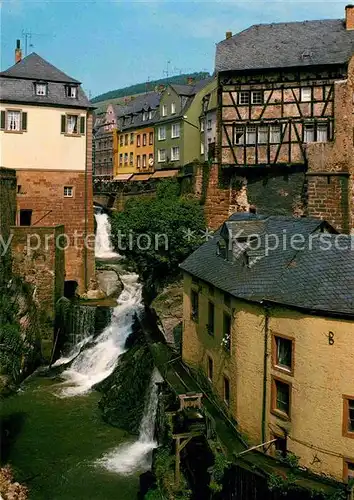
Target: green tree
(171,223)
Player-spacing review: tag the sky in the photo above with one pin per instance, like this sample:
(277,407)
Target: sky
(112,44)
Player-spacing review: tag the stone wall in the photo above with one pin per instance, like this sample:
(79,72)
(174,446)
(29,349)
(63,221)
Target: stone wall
(7,218)
(38,257)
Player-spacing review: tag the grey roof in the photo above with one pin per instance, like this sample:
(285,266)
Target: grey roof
(318,277)
(284,45)
(135,108)
(17,84)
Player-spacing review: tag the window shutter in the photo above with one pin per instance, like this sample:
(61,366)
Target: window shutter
(63,124)
(2,125)
(82,125)
(24,121)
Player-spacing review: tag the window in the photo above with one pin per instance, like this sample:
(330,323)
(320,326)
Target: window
(226,339)
(194,306)
(131,159)
(175,130)
(239,134)
(131,138)
(150,115)
(164,110)
(175,153)
(257,97)
(144,161)
(126,140)
(348,416)
(151,160)
(121,140)
(13,121)
(125,158)
(309,132)
(244,97)
(68,192)
(161,155)
(251,134)
(151,138)
(138,161)
(322,132)
(283,353)
(210,368)
(41,88)
(348,470)
(161,133)
(202,125)
(226,390)
(145,116)
(202,148)
(306,94)
(275,135)
(138,141)
(211,318)
(281,393)
(209,124)
(121,159)
(173,108)
(71,92)
(72,124)
(262,134)
(25,217)
(144,139)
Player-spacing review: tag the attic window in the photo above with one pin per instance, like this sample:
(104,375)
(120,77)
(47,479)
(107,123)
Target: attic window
(221,248)
(41,89)
(145,116)
(71,91)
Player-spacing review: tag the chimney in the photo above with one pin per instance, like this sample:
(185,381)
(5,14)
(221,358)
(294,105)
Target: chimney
(349,17)
(18,52)
(190,80)
(228,35)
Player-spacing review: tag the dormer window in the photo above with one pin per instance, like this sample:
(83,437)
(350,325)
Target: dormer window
(145,116)
(71,91)
(41,89)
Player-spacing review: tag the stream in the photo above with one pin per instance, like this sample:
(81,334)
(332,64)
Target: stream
(53,434)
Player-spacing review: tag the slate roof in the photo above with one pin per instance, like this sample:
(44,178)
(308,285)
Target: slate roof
(319,277)
(135,108)
(17,84)
(284,45)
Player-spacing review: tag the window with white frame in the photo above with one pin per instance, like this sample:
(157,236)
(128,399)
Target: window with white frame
(13,121)
(250,134)
(244,97)
(41,89)
(175,153)
(161,133)
(72,124)
(322,132)
(173,108)
(150,114)
(306,94)
(144,161)
(161,155)
(68,191)
(164,110)
(138,161)
(175,130)
(257,97)
(275,133)
(262,134)
(125,158)
(239,134)
(71,92)
(145,116)
(309,132)
(202,125)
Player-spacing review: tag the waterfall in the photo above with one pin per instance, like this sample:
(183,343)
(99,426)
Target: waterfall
(130,458)
(98,361)
(103,245)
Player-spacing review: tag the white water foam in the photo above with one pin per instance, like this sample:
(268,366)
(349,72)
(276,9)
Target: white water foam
(103,245)
(97,362)
(75,351)
(132,457)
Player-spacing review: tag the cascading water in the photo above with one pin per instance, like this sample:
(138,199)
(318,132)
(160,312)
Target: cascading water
(133,457)
(103,245)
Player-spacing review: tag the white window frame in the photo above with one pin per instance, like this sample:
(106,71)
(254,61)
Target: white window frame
(13,120)
(251,134)
(77,124)
(275,134)
(175,157)
(161,155)
(145,116)
(244,97)
(150,114)
(41,89)
(322,132)
(309,133)
(175,133)
(262,134)
(161,136)
(71,92)
(173,108)
(257,97)
(202,124)
(305,94)
(164,110)
(68,192)
(238,130)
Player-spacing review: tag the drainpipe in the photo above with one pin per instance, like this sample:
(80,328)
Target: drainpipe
(265,365)
(85,202)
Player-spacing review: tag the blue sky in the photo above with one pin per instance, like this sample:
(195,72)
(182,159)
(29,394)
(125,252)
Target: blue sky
(108,45)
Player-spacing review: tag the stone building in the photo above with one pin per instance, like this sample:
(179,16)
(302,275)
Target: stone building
(271,327)
(285,121)
(46,136)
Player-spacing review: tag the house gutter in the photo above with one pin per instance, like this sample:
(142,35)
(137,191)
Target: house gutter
(265,363)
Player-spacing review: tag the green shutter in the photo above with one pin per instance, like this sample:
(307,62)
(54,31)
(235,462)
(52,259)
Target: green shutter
(2,124)
(24,121)
(63,124)
(82,125)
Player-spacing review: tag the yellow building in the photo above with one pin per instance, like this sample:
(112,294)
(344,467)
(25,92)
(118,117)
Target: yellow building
(133,142)
(273,331)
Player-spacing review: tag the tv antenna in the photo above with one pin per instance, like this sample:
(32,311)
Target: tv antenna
(27,39)
(166,72)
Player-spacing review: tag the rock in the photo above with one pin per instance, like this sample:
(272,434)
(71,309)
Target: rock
(109,282)
(93,295)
